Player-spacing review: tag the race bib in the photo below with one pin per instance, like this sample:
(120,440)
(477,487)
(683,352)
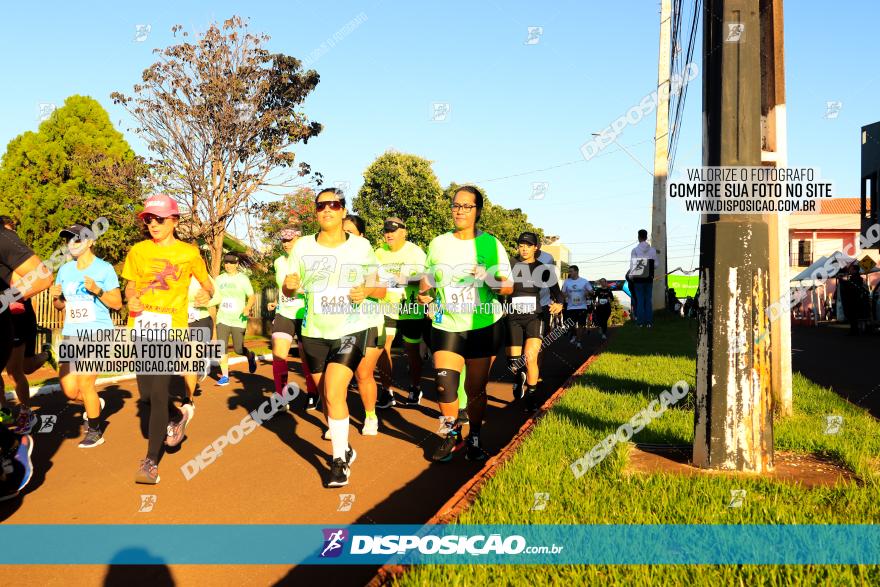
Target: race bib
(229,305)
(577,299)
(602,301)
(460,296)
(80,311)
(333,300)
(152,321)
(285,301)
(524,304)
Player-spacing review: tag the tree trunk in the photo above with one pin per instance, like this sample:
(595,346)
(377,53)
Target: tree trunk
(215,250)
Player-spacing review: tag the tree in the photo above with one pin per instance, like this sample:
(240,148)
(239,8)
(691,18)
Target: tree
(403,185)
(221,117)
(76,168)
(504,224)
(296,208)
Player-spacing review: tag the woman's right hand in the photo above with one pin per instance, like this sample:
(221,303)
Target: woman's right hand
(55,290)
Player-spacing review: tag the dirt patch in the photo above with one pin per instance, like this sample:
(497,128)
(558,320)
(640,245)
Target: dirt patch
(805,469)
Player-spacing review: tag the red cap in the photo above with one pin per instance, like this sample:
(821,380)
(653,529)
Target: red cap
(160,205)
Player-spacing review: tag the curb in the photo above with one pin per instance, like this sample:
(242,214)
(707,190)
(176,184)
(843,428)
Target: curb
(465,496)
(54,387)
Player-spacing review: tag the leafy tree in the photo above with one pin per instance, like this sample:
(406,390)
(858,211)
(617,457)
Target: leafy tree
(296,208)
(221,117)
(403,185)
(503,223)
(76,168)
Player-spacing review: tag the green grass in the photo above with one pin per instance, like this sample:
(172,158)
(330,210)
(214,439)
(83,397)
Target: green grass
(635,368)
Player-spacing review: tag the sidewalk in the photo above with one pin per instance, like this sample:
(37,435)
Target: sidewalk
(272,476)
(847,364)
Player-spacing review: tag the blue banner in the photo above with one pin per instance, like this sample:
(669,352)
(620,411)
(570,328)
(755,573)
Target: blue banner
(453,544)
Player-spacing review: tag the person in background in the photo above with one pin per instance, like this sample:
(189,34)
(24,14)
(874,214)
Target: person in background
(604,298)
(643,257)
(236,300)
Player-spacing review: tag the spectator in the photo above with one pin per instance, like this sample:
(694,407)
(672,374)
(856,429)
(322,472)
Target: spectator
(641,275)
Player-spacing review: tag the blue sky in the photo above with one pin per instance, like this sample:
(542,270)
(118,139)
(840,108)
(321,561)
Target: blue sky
(515,108)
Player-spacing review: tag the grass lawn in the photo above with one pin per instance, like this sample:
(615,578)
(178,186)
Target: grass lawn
(635,368)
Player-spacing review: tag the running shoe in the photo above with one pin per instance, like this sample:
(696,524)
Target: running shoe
(519,384)
(384,398)
(177,429)
(462,417)
(312,401)
(26,421)
(6,416)
(223,381)
(413,397)
(531,404)
(148,472)
(252,362)
(17,468)
(371,427)
(451,443)
(340,469)
(50,355)
(92,438)
(474,451)
(86,415)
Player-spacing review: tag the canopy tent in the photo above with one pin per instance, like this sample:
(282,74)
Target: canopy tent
(807,276)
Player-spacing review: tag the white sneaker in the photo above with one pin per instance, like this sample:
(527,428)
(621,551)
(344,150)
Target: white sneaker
(371,427)
(86,415)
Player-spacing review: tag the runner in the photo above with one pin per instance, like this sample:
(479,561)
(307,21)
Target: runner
(604,297)
(158,273)
(198,317)
(23,361)
(86,289)
(403,263)
(366,380)
(22,276)
(237,297)
(287,324)
(466,269)
(526,326)
(576,291)
(335,332)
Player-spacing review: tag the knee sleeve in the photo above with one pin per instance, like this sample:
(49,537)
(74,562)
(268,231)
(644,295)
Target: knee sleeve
(447,385)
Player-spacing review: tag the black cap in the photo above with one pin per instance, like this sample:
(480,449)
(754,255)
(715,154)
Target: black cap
(77,230)
(529,238)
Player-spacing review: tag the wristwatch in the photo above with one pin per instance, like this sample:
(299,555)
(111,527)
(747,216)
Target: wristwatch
(99,294)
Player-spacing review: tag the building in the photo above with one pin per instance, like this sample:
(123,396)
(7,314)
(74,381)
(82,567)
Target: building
(870,200)
(559,252)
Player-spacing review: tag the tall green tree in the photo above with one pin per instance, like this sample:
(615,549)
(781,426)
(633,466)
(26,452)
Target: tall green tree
(76,168)
(221,116)
(505,224)
(403,185)
(297,208)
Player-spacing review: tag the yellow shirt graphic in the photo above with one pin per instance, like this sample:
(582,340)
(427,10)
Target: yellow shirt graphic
(161,275)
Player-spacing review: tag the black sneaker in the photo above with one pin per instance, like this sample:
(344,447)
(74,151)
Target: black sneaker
(474,452)
(340,469)
(519,385)
(252,362)
(414,396)
(312,401)
(92,438)
(531,402)
(384,398)
(451,443)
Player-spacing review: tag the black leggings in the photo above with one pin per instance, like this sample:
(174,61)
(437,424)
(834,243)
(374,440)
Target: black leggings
(601,317)
(157,391)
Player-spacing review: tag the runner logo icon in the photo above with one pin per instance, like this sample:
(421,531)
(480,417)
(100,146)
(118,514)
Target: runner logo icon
(333,540)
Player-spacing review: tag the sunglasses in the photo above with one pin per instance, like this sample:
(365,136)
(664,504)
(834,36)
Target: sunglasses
(334,205)
(148,219)
(392,227)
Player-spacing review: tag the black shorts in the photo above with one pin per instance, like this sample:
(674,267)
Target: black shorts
(523,327)
(24,330)
(375,340)
(578,316)
(471,344)
(348,351)
(286,327)
(412,330)
(206,322)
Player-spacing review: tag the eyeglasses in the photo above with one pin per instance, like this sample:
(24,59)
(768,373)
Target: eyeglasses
(334,205)
(148,219)
(463,207)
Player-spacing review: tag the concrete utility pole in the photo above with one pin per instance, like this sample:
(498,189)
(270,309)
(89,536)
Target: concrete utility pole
(661,156)
(774,152)
(733,422)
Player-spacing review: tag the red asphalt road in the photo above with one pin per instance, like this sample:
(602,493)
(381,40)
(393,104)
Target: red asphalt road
(272,476)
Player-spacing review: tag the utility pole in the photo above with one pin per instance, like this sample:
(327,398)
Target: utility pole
(775,153)
(733,421)
(661,156)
